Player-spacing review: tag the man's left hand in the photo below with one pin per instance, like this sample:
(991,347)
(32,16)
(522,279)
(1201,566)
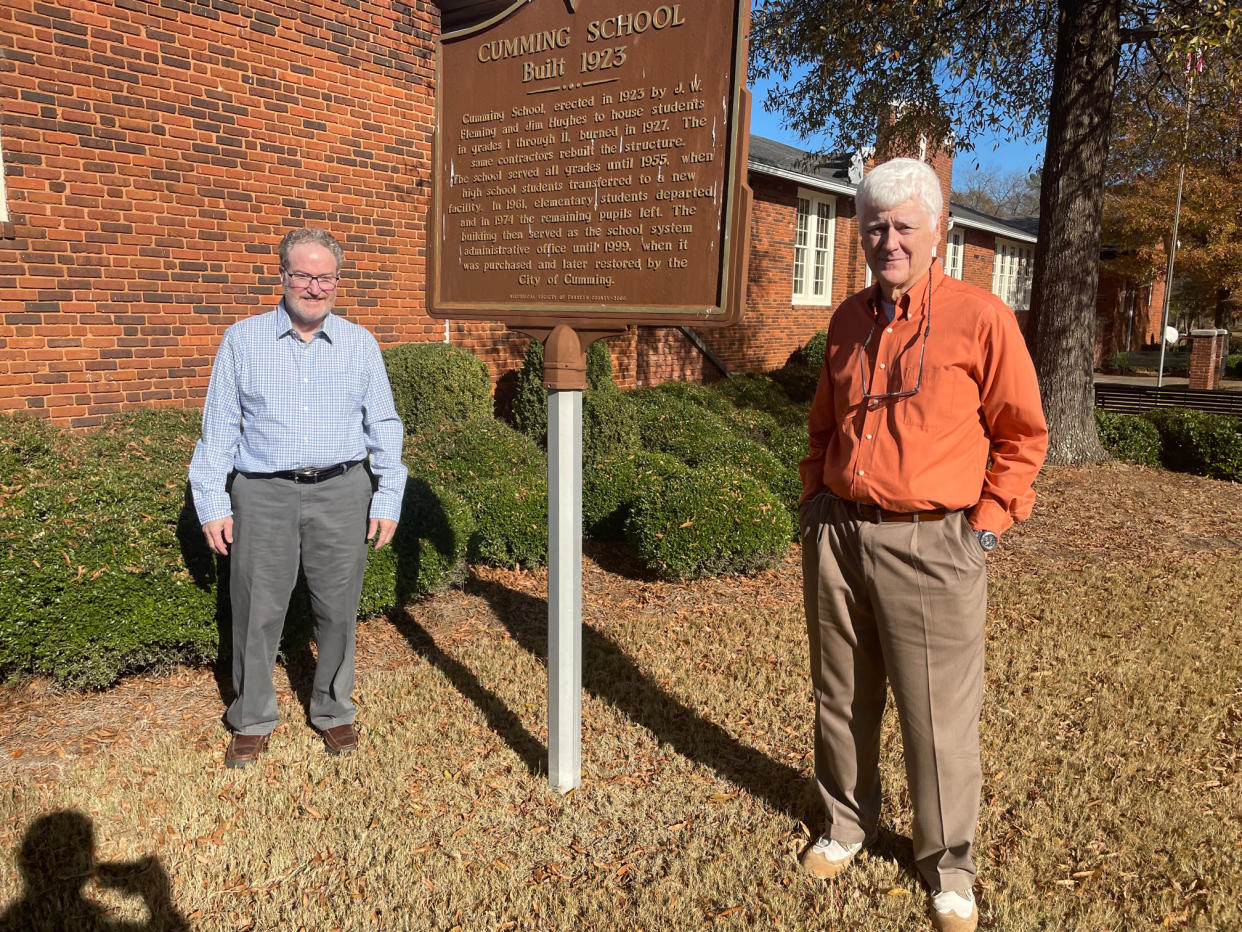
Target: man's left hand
(381,530)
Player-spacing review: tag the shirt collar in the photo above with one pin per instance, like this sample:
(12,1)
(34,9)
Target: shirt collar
(284,325)
(916,297)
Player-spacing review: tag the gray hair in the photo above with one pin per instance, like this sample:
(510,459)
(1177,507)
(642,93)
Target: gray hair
(895,182)
(310,235)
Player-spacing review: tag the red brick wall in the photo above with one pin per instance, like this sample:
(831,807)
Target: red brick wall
(157,150)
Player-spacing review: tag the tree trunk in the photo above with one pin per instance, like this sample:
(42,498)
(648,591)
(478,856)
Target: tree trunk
(1067,257)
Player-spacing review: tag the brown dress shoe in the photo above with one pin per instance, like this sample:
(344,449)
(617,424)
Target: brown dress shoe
(243,749)
(340,740)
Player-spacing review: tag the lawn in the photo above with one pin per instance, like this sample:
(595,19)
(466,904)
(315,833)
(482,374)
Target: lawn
(1112,749)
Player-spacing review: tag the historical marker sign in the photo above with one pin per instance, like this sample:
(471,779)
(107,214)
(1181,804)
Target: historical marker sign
(590,163)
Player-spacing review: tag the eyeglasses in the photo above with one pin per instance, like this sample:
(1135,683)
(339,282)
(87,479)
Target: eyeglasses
(303,280)
(862,360)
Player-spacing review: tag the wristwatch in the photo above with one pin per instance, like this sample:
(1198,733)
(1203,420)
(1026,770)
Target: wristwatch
(987,540)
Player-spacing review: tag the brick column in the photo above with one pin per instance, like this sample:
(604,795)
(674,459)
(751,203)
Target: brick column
(1207,351)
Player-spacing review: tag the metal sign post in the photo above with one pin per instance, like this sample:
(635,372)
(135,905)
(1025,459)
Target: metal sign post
(588,175)
(565,379)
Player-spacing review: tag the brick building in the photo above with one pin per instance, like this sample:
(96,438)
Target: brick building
(155,151)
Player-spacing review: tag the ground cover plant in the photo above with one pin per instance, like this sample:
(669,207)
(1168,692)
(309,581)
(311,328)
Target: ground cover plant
(1112,751)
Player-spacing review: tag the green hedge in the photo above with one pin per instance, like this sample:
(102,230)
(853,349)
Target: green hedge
(501,475)
(530,398)
(1233,366)
(1128,437)
(814,349)
(611,485)
(105,569)
(700,428)
(437,383)
(708,521)
(1200,443)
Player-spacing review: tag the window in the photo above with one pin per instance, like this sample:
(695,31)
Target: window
(954,249)
(813,236)
(1011,273)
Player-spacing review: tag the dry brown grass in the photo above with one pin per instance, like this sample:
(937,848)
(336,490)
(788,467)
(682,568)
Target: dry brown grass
(1112,748)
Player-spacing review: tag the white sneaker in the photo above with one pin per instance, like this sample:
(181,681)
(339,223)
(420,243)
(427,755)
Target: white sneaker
(955,912)
(828,857)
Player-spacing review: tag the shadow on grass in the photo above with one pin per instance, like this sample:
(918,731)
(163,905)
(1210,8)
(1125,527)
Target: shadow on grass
(609,674)
(500,718)
(57,860)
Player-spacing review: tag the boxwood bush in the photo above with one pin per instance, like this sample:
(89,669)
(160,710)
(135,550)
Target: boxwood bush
(611,484)
(1200,443)
(708,521)
(1128,437)
(105,569)
(1233,366)
(437,383)
(501,476)
(813,350)
(530,398)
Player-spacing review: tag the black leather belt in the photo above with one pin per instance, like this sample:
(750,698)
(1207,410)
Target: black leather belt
(875,514)
(306,474)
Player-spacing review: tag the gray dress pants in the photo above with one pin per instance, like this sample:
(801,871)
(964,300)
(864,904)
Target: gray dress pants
(277,526)
(902,603)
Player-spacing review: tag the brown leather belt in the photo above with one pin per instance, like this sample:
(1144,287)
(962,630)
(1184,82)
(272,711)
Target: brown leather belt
(875,514)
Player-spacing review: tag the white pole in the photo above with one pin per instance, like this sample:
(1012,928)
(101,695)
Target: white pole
(564,589)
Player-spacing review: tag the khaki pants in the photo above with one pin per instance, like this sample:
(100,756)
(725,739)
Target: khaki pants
(903,603)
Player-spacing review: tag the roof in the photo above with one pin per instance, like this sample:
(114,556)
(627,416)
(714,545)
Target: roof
(769,157)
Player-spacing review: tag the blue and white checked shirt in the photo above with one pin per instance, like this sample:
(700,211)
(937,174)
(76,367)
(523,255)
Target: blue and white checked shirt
(276,403)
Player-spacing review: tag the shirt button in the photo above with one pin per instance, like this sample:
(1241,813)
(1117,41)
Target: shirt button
(881,365)
(888,329)
(868,436)
(861,473)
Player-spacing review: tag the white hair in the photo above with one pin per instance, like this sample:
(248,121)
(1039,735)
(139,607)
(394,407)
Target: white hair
(895,182)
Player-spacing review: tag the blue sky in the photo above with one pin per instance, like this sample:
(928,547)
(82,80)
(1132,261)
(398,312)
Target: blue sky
(995,154)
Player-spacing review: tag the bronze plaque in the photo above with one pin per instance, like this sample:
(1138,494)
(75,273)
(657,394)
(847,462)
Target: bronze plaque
(590,164)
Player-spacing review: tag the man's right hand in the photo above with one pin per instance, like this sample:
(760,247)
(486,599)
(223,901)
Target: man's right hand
(219,535)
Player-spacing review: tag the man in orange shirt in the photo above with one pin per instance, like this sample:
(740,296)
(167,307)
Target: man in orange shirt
(926,435)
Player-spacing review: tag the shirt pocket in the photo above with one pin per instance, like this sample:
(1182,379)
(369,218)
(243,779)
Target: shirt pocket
(944,393)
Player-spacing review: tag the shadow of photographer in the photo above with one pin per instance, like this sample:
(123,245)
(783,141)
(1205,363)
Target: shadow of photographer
(57,861)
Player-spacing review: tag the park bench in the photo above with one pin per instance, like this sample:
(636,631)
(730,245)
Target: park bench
(1135,399)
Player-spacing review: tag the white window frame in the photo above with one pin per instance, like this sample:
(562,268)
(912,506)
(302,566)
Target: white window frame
(955,253)
(815,230)
(1012,268)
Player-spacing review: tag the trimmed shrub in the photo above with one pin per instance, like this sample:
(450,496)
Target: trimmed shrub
(1200,443)
(437,383)
(1233,366)
(680,424)
(427,554)
(530,399)
(688,394)
(1128,437)
(500,476)
(105,569)
(813,350)
(708,521)
(611,484)
(609,425)
(599,366)
(764,393)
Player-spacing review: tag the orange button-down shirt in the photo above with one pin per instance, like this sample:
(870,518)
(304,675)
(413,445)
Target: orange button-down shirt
(972,437)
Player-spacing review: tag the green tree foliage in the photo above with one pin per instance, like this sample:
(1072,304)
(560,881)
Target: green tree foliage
(962,67)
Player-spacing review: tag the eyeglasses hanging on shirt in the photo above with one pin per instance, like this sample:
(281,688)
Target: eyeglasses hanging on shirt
(867,396)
